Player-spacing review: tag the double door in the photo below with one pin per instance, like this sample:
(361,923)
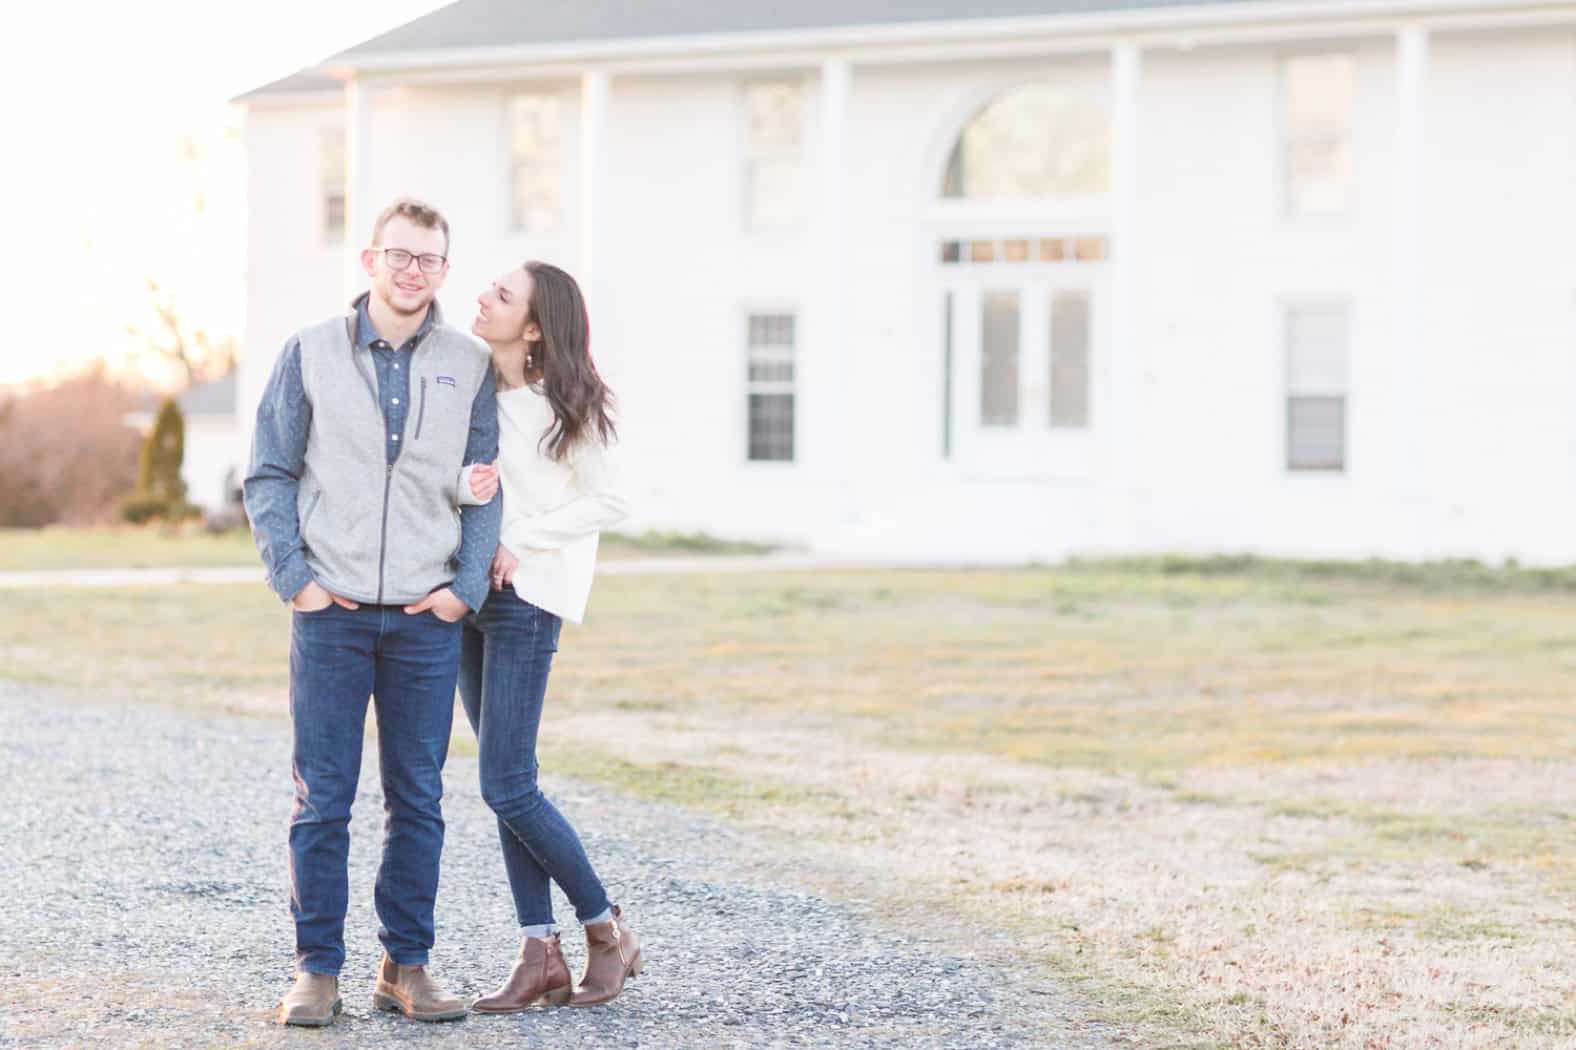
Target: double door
(1020,365)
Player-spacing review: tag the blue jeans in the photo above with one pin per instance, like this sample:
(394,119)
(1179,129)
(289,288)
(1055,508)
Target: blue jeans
(505,655)
(407,664)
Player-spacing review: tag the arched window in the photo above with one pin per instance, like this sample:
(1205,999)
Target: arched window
(1032,141)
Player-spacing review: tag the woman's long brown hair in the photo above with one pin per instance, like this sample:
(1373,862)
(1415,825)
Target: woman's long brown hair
(581,402)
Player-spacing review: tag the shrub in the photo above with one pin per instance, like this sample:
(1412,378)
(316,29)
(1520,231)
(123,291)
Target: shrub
(66,456)
(160,492)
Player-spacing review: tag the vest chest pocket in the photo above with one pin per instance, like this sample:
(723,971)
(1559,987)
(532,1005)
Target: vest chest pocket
(443,392)
(306,518)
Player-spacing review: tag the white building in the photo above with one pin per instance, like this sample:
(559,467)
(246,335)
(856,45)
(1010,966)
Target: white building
(1000,279)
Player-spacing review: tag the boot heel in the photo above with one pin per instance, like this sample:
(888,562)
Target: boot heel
(385,1002)
(558,996)
(637,964)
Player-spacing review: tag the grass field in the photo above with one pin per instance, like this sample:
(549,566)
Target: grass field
(1239,804)
(31,550)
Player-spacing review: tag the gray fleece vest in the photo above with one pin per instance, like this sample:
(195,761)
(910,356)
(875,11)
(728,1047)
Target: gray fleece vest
(376,531)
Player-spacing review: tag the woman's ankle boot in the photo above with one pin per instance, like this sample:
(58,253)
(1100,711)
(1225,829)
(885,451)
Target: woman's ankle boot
(612,957)
(540,975)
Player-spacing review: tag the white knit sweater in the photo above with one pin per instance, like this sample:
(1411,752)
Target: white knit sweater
(552,512)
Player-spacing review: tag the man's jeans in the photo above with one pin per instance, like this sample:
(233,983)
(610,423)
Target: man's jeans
(506,655)
(338,657)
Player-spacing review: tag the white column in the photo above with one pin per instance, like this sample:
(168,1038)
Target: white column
(593,195)
(827,393)
(1124,373)
(358,174)
(1409,364)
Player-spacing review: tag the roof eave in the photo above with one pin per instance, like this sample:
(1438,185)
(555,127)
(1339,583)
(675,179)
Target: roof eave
(1193,22)
(1199,16)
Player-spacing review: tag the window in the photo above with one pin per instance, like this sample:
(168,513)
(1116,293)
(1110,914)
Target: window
(1317,340)
(1027,250)
(1070,359)
(772,168)
(999,331)
(536,147)
(770,387)
(1033,141)
(331,165)
(1317,105)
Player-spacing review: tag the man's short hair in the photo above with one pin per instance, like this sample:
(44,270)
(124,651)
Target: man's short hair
(418,212)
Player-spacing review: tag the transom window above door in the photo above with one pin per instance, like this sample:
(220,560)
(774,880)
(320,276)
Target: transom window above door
(1091,248)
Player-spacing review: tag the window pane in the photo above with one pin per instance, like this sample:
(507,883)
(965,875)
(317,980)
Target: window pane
(776,369)
(999,323)
(1090,249)
(771,427)
(1318,100)
(537,147)
(332,167)
(1319,93)
(1036,140)
(773,116)
(334,214)
(982,251)
(1316,433)
(773,192)
(771,147)
(1318,176)
(771,329)
(1070,359)
(1316,349)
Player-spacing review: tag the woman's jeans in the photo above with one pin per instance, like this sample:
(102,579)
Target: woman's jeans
(406,664)
(505,655)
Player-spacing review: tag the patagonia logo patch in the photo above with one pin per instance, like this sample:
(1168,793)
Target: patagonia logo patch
(445,380)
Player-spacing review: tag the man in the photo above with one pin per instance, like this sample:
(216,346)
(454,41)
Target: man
(361,435)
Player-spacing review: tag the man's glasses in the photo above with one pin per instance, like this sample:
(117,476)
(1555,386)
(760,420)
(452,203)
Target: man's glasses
(399,258)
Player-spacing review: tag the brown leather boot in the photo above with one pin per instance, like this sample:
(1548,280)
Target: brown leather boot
(410,990)
(539,975)
(313,1002)
(612,956)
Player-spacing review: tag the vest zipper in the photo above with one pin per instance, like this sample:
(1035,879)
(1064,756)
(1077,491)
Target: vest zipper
(421,413)
(383,539)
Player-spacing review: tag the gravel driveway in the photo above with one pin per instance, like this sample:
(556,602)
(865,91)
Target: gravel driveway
(144,905)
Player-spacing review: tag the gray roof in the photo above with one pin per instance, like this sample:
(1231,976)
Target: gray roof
(495,23)
(504,23)
(210,399)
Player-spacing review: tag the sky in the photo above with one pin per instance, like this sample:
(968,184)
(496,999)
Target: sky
(117,124)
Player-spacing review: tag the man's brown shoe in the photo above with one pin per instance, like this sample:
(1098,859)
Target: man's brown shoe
(612,956)
(410,990)
(540,975)
(313,1002)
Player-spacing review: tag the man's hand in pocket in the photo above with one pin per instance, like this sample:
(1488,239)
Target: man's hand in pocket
(442,603)
(315,598)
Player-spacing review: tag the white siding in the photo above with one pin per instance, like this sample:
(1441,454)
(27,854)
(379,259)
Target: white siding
(1220,264)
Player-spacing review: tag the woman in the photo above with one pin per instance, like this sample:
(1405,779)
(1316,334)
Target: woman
(558,493)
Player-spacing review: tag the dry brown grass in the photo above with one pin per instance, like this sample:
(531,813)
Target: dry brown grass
(1239,809)
(188,546)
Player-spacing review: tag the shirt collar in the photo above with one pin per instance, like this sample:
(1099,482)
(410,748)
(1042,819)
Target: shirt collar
(366,335)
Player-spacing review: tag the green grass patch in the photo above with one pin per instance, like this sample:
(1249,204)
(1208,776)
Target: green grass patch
(620,544)
(124,547)
(189,546)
